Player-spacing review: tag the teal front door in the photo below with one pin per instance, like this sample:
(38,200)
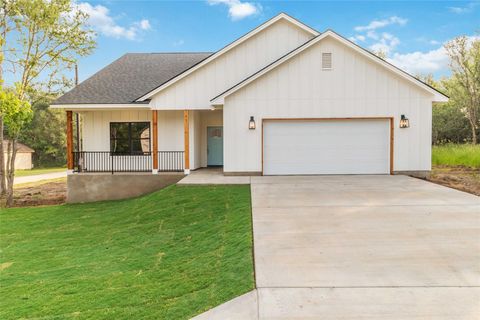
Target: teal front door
(215,146)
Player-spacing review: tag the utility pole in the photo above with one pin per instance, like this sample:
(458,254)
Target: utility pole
(77,118)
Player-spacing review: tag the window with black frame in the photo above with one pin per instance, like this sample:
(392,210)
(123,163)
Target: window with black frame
(129,138)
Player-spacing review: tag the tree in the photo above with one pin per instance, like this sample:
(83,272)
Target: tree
(16,113)
(465,86)
(49,142)
(48,38)
(6,10)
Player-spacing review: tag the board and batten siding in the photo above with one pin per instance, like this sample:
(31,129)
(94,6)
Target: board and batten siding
(354,87)
(96,128)
(196,90)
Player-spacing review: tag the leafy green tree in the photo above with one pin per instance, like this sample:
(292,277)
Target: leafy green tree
(49,142)
(464,86)
(40,40)
(16,113)
(449,124)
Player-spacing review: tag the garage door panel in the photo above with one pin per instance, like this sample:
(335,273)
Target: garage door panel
(326,147)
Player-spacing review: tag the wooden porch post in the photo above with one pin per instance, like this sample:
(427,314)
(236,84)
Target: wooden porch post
(186,131)
(155,141)
(69,142)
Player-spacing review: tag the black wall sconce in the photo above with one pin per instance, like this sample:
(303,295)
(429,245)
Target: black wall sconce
(251,123)
(404,122)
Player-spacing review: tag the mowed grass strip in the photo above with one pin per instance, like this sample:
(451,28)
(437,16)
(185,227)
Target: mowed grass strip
(466,155)
(168,255)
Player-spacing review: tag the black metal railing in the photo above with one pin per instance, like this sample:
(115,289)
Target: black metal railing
(171,161)
(106,161)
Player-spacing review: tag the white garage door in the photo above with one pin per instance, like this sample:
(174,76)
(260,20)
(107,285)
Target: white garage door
(326,147)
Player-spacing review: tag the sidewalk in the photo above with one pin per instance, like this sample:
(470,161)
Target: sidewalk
(40,177)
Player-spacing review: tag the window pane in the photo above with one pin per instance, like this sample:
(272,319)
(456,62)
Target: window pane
(129,137)
(139,146)
(119,146)
(119,130)
(140,130)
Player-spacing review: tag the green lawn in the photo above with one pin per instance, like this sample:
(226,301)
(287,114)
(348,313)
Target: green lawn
(33,172)
(168,255)
(456,155)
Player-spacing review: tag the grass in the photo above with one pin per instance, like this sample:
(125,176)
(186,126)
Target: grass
(169,255)
(466,155)
(34,172)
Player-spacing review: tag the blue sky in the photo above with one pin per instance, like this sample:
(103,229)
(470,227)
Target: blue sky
(411,32)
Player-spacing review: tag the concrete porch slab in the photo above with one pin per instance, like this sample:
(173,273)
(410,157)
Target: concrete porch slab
(209,176)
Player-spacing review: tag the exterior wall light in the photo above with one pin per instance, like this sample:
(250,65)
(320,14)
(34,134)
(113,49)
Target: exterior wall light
(404,122)
(251,123)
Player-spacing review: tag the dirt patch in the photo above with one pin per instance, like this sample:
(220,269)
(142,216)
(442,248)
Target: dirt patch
(460,178)
(40,193)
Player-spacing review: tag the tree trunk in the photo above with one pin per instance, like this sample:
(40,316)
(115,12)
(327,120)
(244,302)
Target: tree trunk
(474,131)
(3,187)
(12,145)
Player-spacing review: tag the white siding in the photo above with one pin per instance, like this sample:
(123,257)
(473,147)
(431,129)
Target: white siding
(196,90)
(96,128)
(354,87)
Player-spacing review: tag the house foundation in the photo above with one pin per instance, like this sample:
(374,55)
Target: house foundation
(101,187)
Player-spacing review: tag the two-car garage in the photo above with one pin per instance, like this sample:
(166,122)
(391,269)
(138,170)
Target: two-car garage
(327,146)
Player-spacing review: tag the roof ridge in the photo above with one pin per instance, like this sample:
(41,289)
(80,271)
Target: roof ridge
(172,52)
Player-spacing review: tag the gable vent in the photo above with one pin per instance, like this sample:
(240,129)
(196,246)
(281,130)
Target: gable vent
(326,60)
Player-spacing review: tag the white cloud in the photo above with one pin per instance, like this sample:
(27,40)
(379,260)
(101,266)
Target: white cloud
(465,9)
(434,42)
(179,43)
(101,20)
(357,38)
(237,9)
(372,35)
(145,24)
(388,42)
(424,62)
(376,24)
(421,62)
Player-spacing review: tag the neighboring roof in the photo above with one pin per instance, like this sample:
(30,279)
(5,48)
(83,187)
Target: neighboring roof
(263,26)
(21,148)
(129,77)
(438,96)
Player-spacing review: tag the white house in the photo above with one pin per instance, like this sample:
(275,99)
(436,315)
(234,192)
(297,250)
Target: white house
(282,99)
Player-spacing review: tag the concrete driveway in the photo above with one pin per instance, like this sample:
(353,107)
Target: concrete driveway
(365,247)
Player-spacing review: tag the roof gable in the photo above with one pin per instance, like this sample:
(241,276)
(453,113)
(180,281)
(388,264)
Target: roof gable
(438,96)
(279,17)
(21,148)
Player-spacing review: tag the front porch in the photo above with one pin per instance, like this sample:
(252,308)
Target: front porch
(143,140)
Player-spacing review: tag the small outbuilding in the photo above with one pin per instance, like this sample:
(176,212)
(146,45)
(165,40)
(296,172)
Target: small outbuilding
(23,160)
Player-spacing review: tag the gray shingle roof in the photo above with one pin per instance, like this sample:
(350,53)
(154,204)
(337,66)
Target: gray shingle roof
(130,77)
